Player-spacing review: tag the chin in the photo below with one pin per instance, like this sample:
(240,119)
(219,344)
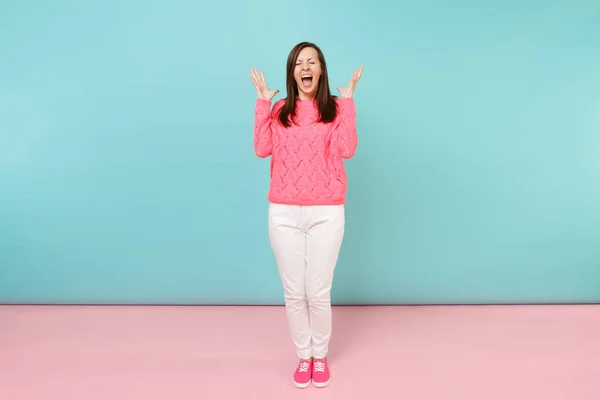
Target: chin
(310,92)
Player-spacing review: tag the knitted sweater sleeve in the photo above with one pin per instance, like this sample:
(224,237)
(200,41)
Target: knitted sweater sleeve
(264,123)
(346,135)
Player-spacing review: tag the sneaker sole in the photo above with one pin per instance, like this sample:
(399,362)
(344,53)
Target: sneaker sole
(302,385)
(321,384)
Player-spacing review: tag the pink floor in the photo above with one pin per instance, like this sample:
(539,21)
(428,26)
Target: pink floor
(206,353)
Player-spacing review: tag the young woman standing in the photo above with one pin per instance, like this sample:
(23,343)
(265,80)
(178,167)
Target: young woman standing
(307,135)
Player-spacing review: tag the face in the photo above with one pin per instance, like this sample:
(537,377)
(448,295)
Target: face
(307,73)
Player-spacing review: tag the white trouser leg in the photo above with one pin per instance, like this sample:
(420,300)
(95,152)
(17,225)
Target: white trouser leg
(324,239)
(288,242)
(306,243)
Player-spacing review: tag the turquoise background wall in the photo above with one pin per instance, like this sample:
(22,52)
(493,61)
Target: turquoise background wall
(127,173)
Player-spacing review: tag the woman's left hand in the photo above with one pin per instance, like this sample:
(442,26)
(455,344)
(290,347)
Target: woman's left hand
(348,91)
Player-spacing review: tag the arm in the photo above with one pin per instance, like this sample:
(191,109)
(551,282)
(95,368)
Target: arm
(263,120)
(263,128)
(347,136)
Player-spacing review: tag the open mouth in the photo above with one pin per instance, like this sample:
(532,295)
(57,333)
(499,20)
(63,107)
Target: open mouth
(307,80)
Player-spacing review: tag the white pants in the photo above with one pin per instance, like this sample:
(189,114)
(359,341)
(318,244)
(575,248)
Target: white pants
(306,243)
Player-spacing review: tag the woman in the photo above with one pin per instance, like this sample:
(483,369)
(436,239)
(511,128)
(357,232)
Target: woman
(307,135)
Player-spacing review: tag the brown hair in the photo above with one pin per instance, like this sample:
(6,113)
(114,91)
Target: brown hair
(326,103)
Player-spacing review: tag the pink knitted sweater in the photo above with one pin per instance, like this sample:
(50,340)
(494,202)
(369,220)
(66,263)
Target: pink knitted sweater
(307,166)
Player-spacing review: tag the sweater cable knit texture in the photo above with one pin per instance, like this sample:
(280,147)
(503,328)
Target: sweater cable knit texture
(307,166)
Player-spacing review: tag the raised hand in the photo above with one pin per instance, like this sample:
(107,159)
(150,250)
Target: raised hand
(348,91)
(260,83)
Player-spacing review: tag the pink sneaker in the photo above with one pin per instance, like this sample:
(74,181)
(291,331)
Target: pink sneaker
(303,374)
(320,375)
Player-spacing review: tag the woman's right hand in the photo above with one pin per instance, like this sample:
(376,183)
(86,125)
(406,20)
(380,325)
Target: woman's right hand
(260,83)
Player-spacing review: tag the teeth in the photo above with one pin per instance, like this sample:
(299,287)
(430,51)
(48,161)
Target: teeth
(306,76)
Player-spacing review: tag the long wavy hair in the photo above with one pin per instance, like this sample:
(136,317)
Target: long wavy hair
(326,103)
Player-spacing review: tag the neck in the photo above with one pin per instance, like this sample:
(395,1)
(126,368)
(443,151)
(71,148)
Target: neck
(303,96)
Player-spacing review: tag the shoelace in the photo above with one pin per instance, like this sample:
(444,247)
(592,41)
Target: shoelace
(319,366)
(303,367)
